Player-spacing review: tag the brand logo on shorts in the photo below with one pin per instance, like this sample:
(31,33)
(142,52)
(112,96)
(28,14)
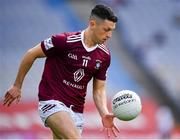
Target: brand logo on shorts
(47,107)
(78,75)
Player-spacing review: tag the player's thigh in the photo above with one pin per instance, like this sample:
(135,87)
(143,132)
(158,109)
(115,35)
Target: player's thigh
(55,137)
(62,125)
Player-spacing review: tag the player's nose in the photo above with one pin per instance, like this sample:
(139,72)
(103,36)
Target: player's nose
(109,35)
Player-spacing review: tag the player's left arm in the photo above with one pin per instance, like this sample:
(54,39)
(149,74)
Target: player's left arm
(99,96)
(100,100)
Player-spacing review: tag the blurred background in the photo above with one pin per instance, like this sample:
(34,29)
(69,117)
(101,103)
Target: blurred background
(145,58)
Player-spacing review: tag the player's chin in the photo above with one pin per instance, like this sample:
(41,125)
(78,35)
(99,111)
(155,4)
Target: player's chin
(103,41)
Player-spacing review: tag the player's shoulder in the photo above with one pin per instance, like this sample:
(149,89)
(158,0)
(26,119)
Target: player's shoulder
(104,49)
(73,36)
(69,36)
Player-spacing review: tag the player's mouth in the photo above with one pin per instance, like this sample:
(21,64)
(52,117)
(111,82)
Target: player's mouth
(104,40)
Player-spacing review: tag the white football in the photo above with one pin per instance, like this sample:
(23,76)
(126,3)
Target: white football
(126,105)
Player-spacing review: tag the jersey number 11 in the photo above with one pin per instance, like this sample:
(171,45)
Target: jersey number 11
(85,62)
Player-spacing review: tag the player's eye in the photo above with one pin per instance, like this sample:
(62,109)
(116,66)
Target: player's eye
(107,30)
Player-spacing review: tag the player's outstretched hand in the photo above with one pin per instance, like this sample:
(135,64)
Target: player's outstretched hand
(13,94)
(109,126)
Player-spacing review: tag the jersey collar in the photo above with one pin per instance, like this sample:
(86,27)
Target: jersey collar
(84,45)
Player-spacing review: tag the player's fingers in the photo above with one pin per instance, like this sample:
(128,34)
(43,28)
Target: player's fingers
(18,99)
(114,132)
(7,95)
(7,98)
(6,102)
(108,133)
(10,102)
(116,128)
(12,92)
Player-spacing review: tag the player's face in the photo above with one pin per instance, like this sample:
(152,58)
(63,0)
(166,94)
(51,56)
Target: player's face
(103,31)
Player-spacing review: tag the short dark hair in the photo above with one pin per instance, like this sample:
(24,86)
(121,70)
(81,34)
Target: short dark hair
(104,12)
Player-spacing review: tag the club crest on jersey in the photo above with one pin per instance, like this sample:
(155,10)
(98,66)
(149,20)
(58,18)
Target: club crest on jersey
(98,64)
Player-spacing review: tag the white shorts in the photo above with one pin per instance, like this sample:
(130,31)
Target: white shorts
(49,107)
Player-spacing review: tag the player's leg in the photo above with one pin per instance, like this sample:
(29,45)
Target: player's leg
(55,137)
(62,126)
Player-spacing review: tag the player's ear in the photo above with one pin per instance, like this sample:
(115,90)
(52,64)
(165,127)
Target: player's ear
(92,23)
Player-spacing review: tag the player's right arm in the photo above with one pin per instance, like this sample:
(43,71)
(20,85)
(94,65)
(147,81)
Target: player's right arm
(54,45)
(14,93)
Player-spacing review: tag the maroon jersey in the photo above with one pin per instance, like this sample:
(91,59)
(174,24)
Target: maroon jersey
(69,66)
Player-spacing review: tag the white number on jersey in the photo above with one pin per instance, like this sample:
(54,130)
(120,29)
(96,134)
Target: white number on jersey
(85,62)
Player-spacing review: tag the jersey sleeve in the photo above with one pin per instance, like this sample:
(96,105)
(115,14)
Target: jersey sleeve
(54,45)
(101,74)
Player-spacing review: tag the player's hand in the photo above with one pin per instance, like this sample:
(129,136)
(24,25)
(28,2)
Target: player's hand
(109,126)
(13,94)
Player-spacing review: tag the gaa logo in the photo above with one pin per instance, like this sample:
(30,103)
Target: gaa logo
(78,75)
